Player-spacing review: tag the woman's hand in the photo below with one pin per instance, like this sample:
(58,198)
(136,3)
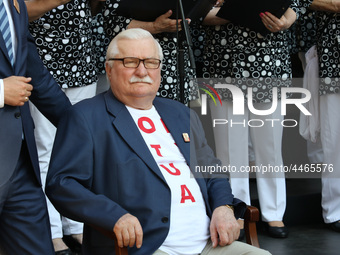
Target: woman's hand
(212,20)
(161,24)
(274,24)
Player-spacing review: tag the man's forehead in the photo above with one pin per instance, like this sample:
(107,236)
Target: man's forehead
(144,45)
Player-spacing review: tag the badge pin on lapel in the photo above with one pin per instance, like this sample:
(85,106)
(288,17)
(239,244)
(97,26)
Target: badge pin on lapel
(16,5)
(186,137)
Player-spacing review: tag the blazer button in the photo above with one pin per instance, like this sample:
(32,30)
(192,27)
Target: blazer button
(17,115)
(165,219)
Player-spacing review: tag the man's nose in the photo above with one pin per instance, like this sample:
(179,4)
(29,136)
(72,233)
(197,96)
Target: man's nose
(141,70)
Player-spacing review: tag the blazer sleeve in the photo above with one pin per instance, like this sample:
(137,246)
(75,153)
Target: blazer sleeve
(47,95)
(70,175)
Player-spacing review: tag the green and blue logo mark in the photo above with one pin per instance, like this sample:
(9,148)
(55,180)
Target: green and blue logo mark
(204,97)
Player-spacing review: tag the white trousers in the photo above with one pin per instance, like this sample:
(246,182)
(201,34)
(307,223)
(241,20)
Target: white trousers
(44,134)
(314,149)
(330,138)
(232,142)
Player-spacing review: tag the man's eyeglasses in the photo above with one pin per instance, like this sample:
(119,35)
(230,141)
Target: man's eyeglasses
(130,62)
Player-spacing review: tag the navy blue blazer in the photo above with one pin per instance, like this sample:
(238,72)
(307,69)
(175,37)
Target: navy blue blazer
(102,169)
(46,95)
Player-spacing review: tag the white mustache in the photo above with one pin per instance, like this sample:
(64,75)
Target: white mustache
(145,79)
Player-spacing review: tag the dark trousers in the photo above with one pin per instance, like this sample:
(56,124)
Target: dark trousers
(24,223)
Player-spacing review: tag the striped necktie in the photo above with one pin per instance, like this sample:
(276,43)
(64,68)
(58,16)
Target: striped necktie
(5,30)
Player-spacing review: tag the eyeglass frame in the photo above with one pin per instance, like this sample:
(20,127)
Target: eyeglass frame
(139,60)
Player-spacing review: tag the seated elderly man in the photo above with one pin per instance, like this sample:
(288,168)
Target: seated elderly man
(121,162)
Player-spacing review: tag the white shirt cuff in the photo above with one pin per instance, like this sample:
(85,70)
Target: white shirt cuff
(2,96)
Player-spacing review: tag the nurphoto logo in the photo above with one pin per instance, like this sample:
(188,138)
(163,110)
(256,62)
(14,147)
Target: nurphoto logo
(240,101)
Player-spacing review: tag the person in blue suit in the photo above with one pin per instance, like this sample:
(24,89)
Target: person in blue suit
(121,162)
(24,224)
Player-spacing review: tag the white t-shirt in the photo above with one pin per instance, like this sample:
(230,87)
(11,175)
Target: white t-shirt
(189,223)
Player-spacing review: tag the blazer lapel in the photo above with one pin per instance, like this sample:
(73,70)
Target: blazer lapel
(3,48)
(16,21)
(127,128)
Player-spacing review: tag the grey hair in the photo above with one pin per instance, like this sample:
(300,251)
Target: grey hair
(133,33)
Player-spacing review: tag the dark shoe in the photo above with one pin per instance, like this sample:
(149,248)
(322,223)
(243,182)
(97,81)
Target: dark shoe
(277,232)
(242,234)
(335,226)
(64,252)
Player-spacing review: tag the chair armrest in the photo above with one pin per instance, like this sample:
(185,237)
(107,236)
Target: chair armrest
(111,234)
(251,216)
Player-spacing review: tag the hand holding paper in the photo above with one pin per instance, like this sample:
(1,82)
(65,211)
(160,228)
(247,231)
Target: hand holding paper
(246,13)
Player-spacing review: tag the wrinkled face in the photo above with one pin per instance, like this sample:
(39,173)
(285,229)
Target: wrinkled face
(131,84)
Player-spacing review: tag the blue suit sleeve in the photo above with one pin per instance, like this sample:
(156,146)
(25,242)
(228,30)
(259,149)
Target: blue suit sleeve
(71,173)
(47,96)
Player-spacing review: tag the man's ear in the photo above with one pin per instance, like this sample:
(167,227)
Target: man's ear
(108,70)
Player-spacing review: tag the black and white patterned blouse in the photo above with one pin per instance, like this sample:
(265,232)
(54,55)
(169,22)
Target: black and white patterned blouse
(245,58)
(113,23)
(328,47)
(64,40)
(100,42)
(304,31)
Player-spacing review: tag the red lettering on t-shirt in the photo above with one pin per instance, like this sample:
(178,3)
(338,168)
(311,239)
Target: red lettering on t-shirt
(166,129)
(186,194)
(145,129)
(177,172)
(157,147)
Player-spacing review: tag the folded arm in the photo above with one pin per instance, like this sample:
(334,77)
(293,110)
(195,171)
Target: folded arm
(212,20)
(162,24)
(326,5)
(274,24)
(37,8)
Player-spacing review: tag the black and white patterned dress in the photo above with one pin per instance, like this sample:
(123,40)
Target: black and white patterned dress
(304,31)
(100,41)
(328,47)
(244,58)
(64,40)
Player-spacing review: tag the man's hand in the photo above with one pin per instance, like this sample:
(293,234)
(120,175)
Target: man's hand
(17,90)
(128,231)
(224,228)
